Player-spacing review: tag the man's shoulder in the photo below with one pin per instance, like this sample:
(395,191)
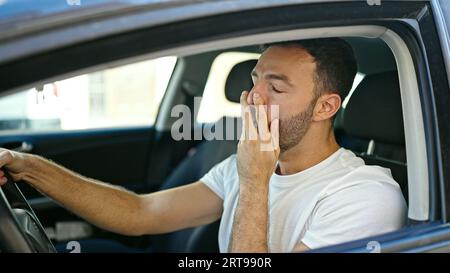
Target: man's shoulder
(361,209)
(366,187)
(371,181)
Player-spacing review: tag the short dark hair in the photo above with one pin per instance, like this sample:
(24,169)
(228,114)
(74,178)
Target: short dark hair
(336,65)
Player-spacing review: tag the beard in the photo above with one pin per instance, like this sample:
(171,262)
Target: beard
(294,128)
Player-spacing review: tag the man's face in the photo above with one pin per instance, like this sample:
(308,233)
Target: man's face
(284,76)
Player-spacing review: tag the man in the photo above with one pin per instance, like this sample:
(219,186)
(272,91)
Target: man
(303,193)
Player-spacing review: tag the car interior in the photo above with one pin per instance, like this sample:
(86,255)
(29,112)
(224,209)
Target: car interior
(370,124)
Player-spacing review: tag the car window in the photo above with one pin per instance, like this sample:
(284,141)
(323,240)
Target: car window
(214,104)
(117,97)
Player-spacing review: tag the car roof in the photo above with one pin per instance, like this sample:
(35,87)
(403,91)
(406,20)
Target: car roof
(19,16)
(30,9)
(26,26)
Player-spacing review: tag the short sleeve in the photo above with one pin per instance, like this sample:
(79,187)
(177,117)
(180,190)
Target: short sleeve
(217,176)
(367,209)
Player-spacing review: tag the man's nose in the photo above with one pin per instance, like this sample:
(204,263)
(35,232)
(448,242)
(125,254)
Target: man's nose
(260,90)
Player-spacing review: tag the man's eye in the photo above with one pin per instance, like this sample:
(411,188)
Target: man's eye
(276,90)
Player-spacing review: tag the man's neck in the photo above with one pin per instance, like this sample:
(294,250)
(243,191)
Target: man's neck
(307,153)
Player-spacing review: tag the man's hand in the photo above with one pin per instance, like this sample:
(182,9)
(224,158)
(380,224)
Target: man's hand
(111,207)
(257,156)
(14,163)
(258,148)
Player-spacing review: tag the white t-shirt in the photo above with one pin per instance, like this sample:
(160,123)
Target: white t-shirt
(340,199)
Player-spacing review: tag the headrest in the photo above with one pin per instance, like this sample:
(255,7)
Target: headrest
(374,110)
(239,80)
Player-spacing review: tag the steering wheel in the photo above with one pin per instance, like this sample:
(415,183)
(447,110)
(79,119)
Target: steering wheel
(20,229)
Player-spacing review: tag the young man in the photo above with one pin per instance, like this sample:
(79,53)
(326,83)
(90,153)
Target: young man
(303,193)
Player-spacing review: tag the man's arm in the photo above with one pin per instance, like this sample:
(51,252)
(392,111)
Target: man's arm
(258,152)
(250,221)
(111,207)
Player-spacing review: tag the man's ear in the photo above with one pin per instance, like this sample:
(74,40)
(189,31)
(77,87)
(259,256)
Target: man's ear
(326,106)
